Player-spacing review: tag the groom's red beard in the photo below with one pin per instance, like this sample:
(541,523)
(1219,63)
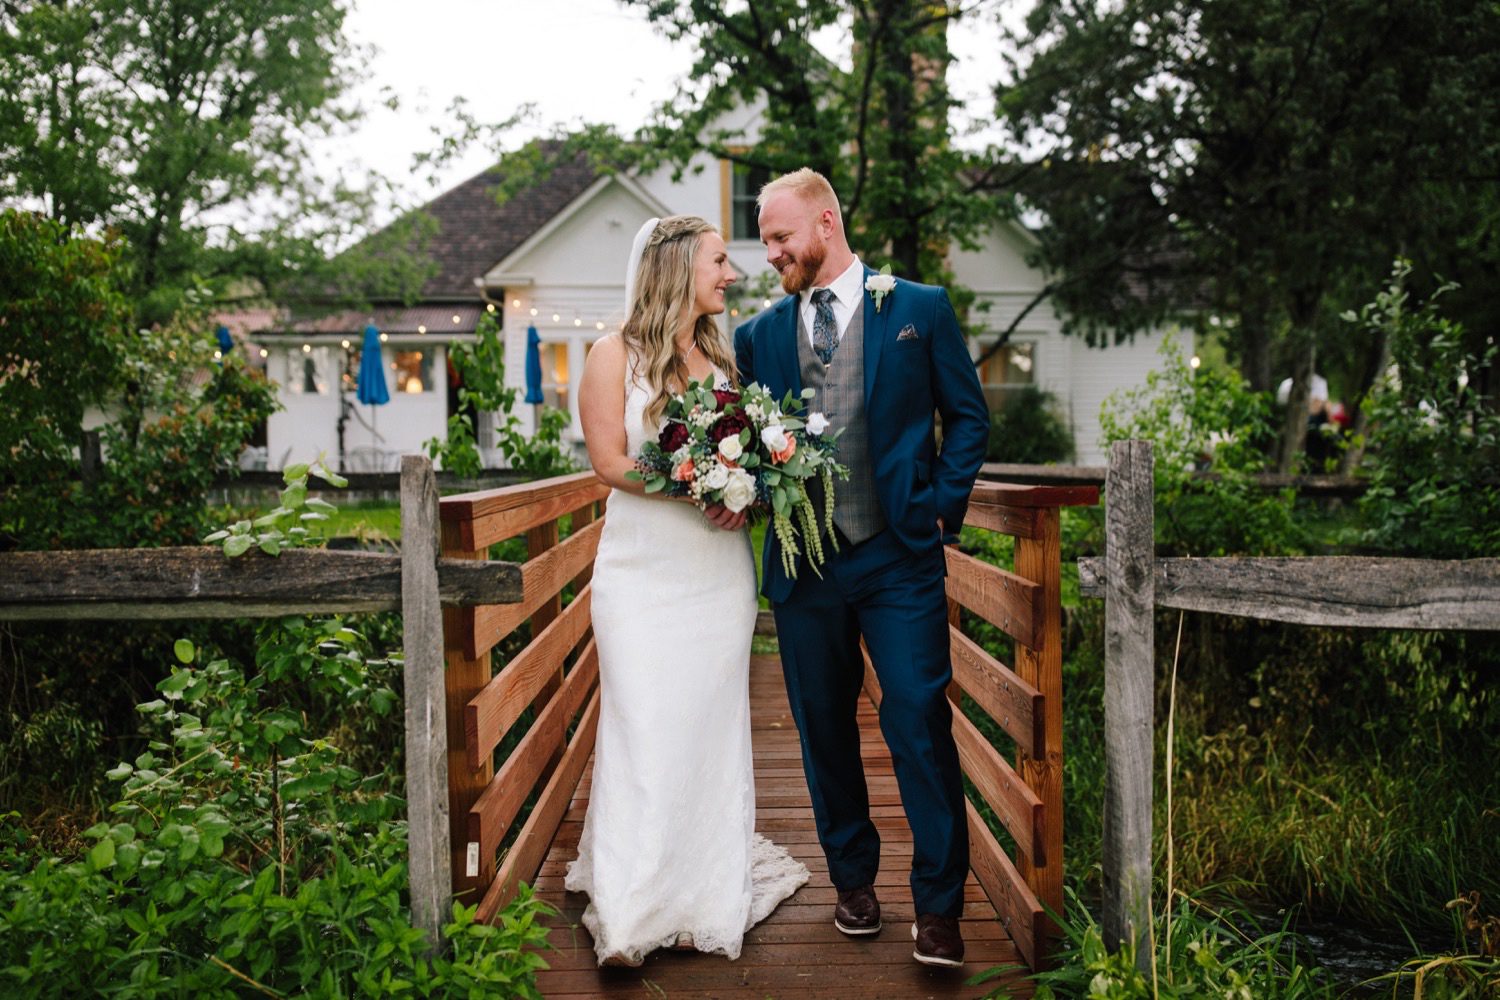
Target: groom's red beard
(803,271)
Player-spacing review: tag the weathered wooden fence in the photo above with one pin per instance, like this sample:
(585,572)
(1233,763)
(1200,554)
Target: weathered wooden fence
(199,582)
(1329,591)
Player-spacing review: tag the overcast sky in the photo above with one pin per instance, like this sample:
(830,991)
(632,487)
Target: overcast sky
(594,60)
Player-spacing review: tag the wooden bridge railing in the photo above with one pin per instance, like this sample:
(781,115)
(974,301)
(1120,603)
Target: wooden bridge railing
(1024,700)
(553,677)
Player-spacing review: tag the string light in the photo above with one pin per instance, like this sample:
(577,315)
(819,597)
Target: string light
(456,319)
(1194,362)
(264,352)
(384,338)
(577,321)
(765,303)
(489,307)
(515,303)
(556,318)
(306,348)
(599,325)
(422,329)
(533,310)
(344,342)
(218,355)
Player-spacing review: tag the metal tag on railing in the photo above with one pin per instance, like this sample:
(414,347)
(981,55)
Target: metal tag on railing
(471,867)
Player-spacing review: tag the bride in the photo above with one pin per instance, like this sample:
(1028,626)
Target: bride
(669,854)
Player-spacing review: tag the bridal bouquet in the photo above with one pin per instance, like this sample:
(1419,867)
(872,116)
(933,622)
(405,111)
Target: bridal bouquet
(746,450)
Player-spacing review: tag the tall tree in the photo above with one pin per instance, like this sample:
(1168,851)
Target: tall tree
(184,125)
(879,129)
(1256,162)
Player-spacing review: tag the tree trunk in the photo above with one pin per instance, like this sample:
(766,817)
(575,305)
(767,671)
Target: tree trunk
(1255,345)
(1376,359)
(1294,427)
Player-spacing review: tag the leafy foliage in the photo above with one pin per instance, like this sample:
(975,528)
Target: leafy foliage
(1027,430)
(295,509)
(1435,424)
(176,416)
(481,368)
(243,850)
(1256,162)
(1206,420)
(158,117)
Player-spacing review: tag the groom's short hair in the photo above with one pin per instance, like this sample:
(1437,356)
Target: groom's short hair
(808,185)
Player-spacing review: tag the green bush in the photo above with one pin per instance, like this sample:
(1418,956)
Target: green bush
(481,366)
(1434,433)
(174,416)
(1028,431)
(244,852)
(1207,420)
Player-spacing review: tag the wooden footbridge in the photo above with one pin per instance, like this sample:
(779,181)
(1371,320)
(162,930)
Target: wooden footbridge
(518,819)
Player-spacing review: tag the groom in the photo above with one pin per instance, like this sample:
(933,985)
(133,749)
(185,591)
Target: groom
(880,367)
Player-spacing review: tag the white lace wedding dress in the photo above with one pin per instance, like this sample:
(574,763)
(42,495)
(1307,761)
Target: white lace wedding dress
(669,846)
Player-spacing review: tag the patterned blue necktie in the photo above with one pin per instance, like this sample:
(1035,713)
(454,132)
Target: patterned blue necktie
(825,329)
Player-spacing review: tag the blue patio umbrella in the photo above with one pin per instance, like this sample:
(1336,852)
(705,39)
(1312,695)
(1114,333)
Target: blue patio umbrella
(371,389)
(226,342)
(533,366)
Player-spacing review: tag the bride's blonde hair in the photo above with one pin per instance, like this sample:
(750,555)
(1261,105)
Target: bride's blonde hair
(663,295)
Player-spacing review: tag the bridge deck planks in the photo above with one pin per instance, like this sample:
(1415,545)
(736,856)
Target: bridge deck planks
(796,952)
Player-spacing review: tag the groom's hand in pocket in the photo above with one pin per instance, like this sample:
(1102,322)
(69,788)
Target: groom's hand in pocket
(722,517)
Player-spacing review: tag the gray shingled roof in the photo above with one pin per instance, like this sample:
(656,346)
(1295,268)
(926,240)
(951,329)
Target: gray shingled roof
(474,233)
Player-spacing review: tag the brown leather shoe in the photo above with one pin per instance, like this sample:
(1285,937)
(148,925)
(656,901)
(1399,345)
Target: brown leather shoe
(938,941)
(858,912)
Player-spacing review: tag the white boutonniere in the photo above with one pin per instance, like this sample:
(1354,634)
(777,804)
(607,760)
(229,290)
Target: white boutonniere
(880,285)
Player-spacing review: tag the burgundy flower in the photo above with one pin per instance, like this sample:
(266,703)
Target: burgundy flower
(723,397)
(727,425)
(673,436)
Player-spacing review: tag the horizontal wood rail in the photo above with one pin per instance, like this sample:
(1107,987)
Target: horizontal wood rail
(201,582)
(548,686)
(1332,591)
(1094,475)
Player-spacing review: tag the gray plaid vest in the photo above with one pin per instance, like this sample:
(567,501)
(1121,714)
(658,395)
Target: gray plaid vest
(841,398)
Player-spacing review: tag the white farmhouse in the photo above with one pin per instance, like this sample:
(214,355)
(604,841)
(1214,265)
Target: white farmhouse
(553,258)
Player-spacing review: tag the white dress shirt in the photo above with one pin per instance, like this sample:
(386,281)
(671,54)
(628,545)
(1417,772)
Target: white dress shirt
(848,291)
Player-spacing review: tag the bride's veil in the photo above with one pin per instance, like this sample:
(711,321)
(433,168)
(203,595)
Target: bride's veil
(633,265)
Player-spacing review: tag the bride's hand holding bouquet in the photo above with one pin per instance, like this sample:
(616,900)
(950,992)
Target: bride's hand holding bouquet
(749,452)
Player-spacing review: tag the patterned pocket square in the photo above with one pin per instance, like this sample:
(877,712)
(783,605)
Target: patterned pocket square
(908,332)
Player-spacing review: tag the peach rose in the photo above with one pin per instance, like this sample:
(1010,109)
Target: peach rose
(791,449)
(684,472)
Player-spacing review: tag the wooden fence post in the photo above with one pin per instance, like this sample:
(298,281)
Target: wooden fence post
(428,861)
(1129,672)
(1039,559)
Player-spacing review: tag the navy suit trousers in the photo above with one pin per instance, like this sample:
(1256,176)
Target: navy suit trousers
(895,599)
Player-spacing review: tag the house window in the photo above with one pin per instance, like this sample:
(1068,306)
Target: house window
(308,371)
(413,371)
(555,375)
(1008,370)
(745,183)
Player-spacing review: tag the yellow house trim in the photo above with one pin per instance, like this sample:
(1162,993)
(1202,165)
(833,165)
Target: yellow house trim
(726,187)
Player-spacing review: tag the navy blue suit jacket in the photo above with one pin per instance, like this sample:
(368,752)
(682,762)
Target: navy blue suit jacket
(906,381)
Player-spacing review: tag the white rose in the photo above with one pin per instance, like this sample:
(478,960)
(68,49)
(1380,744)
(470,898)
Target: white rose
(682,455)
(730,448)
(880,282)
(774,437)
(717,477)
(740,492)
(816,424)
